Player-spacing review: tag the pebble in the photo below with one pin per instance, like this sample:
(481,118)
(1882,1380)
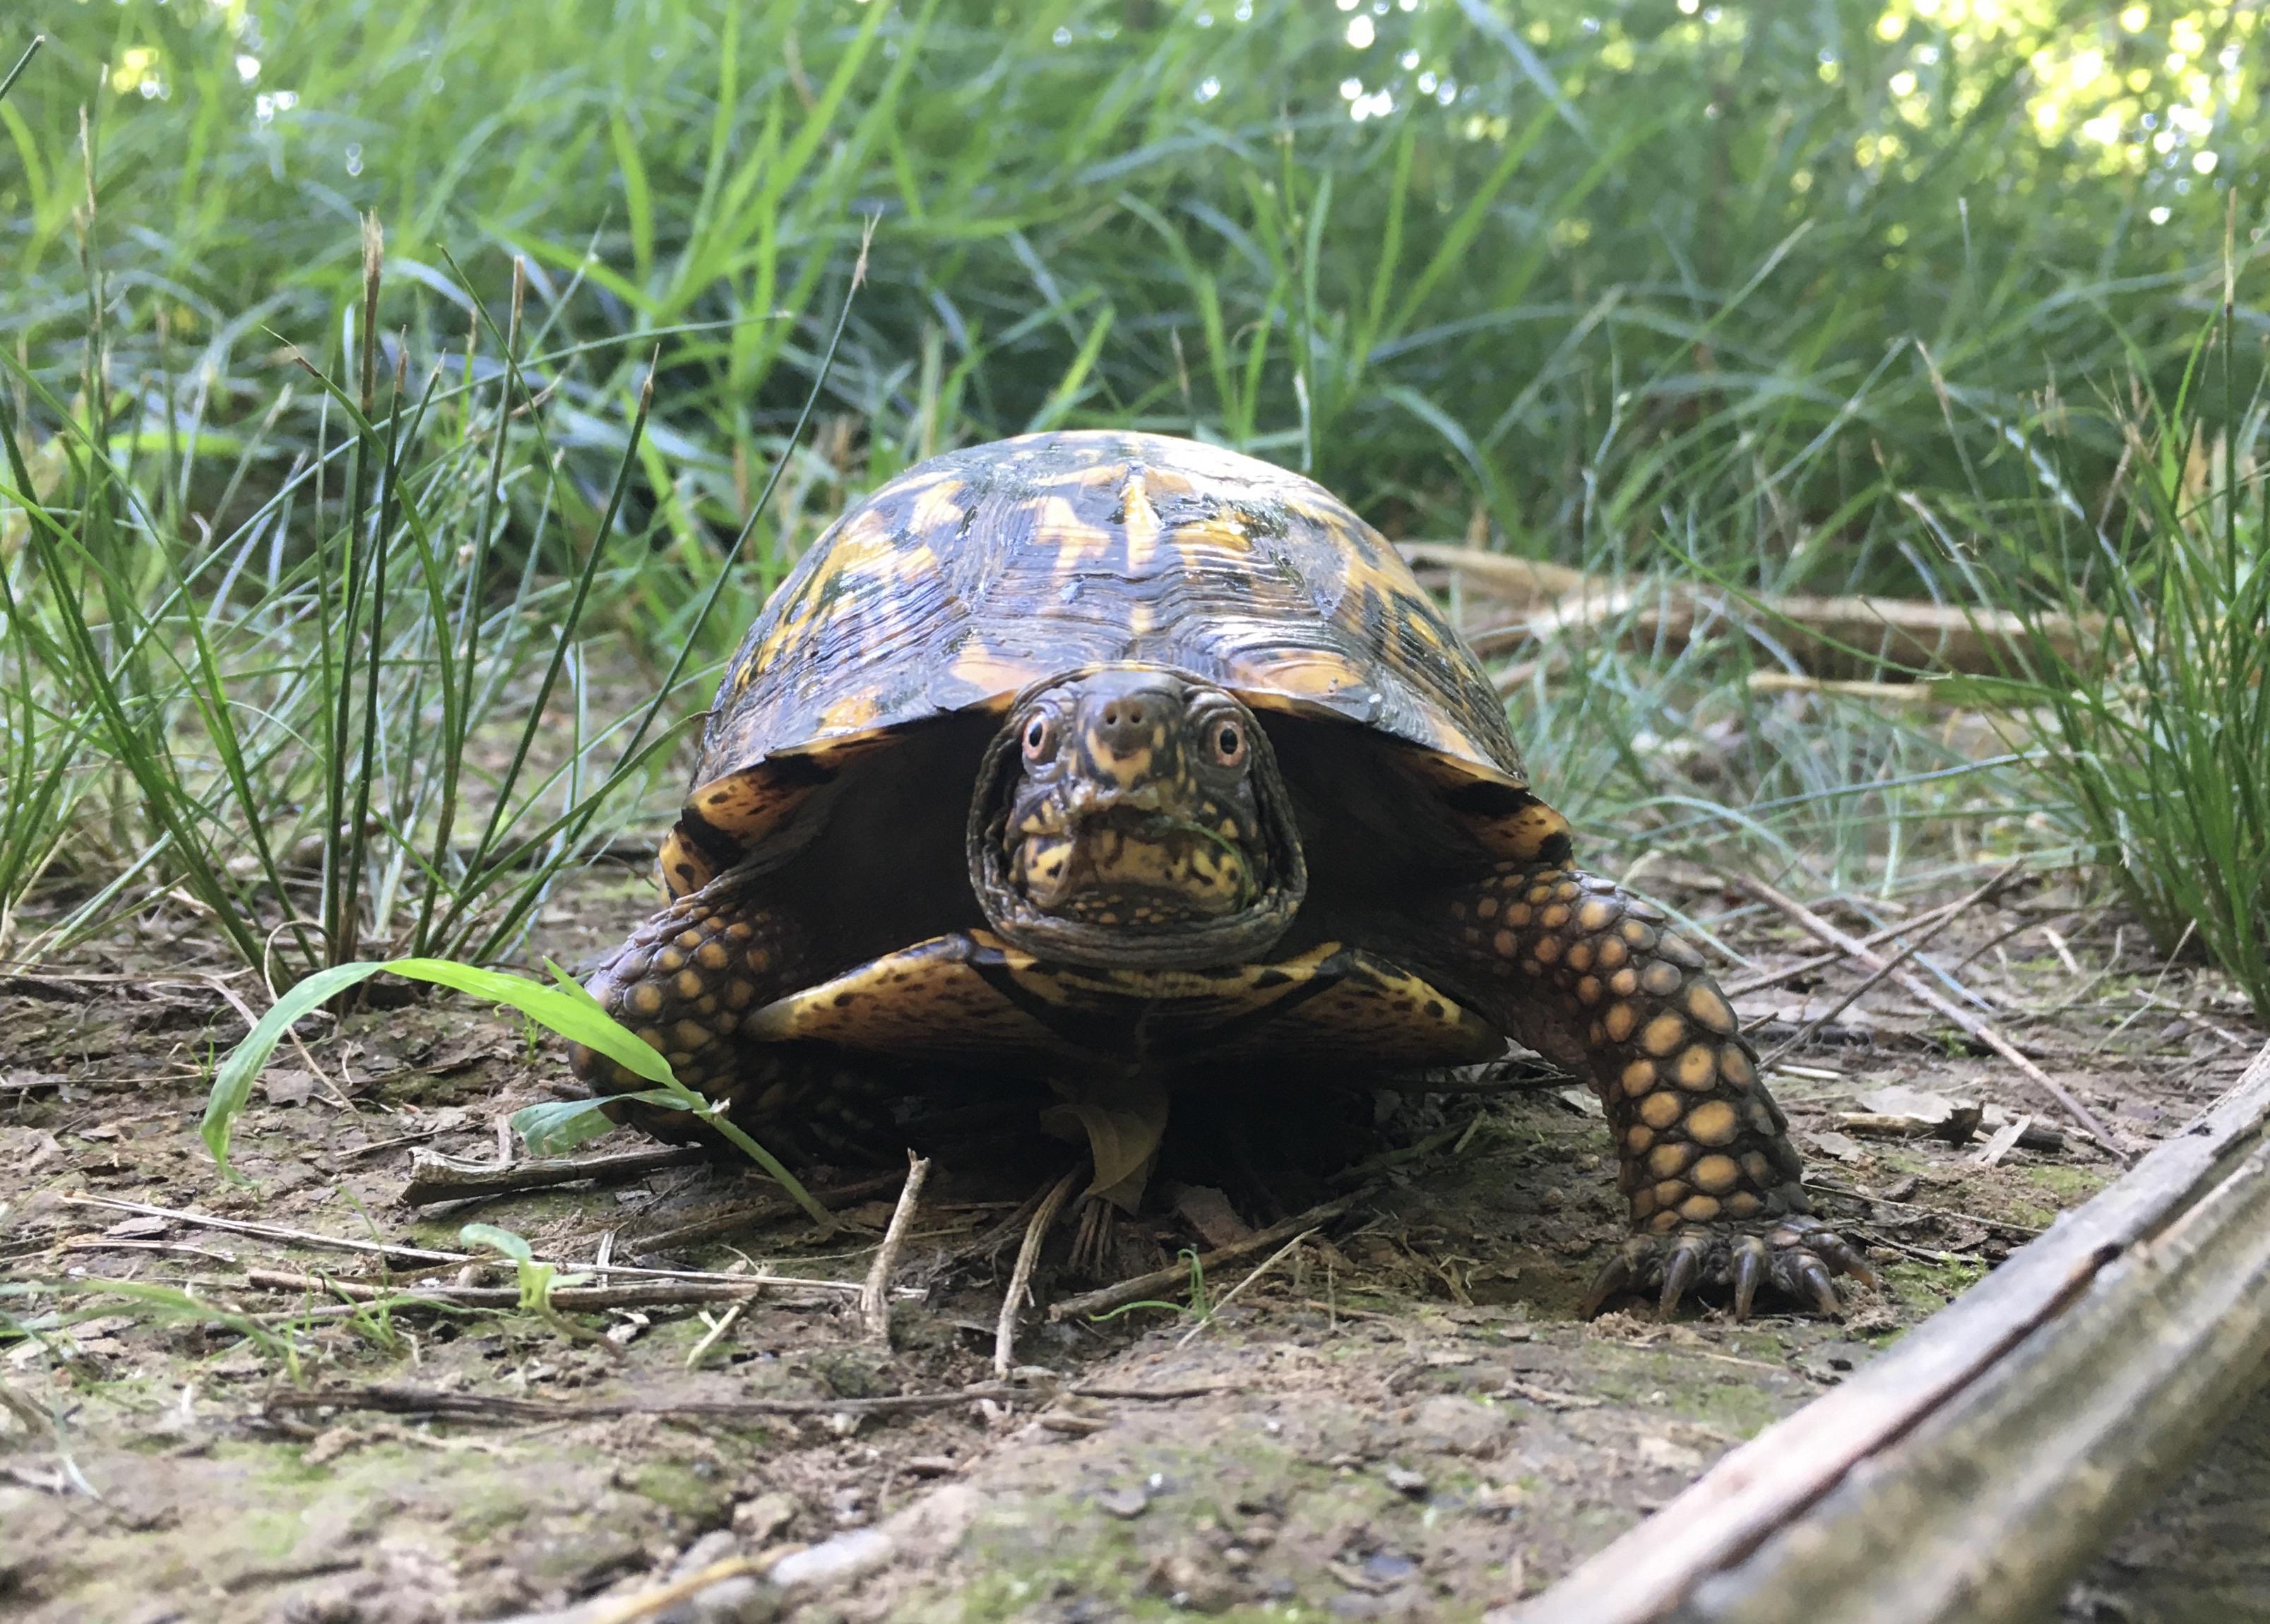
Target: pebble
(833,1562)
(1123,1503)
(1403,1480)
(761,1520)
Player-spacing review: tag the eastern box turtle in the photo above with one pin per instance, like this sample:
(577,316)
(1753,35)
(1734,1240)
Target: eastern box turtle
(1113,761)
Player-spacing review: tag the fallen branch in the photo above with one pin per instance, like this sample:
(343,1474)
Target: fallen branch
(1825,636)
(1959,1127)
(1915,988)
(395,1400)
(1967,1472)
(435,1177)
(875,1295)
(1142,1285)
(480,1406)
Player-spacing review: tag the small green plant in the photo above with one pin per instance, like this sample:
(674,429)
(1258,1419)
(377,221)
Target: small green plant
(536,1279)
(548,1129)
(1197,1308)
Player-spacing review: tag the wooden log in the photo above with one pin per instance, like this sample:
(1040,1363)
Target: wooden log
(1828,637)
(1991,1451)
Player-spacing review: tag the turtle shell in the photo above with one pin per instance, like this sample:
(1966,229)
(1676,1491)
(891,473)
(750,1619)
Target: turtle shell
(978,573)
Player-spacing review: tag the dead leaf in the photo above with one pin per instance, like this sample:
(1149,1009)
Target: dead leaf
(1207,1210)
(27,1150)
(1902,1100)
(1843,1147)
(288,1087)
(1123,1124)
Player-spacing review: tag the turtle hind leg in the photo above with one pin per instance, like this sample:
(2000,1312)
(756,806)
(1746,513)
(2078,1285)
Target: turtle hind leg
(684,983)
(1592,977)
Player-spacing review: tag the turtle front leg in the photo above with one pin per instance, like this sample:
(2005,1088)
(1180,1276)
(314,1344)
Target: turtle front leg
(1592,978)
(684,983)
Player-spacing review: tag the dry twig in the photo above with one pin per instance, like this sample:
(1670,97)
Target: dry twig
(1919,933)
(875,1295)
(1020,1277)
(1142,1285)
(1230,1296)
(435,1177)
(1914,986)
(316,1241)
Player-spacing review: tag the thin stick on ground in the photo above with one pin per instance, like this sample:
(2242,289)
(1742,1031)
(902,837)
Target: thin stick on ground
(1919,935)
(1929,919)
(1915,988)
(726,1321)
(1143,1286)
(288,1236)
(1020,1277)
(651,1294)
(1230,1296)
(875,1295)
(435,1177)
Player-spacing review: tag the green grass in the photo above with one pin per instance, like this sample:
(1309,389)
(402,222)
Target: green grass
(357,660)
(2153,735)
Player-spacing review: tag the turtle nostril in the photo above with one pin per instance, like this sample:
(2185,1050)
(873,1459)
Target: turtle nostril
(1124,726)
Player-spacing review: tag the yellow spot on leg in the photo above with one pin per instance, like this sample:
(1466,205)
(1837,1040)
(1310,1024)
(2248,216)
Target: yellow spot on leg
(1712,1122)
(1662,1035)
(1666,1160)
(1697,1069)
(1707,1007)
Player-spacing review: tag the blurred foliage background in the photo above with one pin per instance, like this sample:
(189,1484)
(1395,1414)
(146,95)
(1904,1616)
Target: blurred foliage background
(1456,257)
(1954,298)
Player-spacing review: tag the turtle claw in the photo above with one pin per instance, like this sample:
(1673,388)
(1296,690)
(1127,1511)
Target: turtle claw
(1750,1268)
(1798,1257)
(1681,1272)
(1840,1254)
(1814,1274)
(1615,1277)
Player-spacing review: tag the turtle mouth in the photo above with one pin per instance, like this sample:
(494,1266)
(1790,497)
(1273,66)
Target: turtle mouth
(1126,865)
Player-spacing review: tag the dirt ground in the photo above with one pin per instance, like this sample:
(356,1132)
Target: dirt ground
(1402,1419)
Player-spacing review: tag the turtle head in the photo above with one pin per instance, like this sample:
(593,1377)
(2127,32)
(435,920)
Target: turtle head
(1132,816)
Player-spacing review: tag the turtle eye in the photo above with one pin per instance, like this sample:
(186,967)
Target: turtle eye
(1227,740)
(1041,738)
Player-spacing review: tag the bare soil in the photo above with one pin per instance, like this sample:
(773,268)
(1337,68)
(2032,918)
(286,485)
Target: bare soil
(1403,1419)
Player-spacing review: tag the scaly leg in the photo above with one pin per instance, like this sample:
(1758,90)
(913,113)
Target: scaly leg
(1592,978)
(684,982)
